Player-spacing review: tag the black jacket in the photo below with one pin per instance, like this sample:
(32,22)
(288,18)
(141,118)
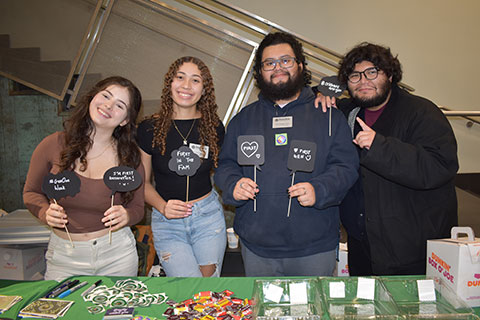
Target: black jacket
(406,187)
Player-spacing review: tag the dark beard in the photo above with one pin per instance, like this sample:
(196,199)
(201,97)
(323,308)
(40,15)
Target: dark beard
(375,101)
(281,91)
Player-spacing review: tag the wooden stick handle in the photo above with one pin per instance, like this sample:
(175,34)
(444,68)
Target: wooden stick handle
(188,182)
(66,229)
(255,179)
(290,198)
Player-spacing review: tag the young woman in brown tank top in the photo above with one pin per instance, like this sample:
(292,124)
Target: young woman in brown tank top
(99,135)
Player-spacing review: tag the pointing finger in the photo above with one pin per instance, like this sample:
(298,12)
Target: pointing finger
(363,125)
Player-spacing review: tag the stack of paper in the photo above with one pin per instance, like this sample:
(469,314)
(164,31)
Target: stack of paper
(46,309)
(6,302)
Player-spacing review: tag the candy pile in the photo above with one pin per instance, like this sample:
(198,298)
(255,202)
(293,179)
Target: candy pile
(208,305)
(125,293)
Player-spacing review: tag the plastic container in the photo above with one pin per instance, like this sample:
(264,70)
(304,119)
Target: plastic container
(378,305)
(287,299)
(447,305)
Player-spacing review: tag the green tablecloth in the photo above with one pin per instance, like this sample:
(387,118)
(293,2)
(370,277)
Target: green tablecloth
(177,289)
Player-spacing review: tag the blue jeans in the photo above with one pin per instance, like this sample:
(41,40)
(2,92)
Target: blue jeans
(319,264)
(185,244)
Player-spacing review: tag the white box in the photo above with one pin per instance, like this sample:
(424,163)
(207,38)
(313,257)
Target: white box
(22,262)
(457,262)
(342,264)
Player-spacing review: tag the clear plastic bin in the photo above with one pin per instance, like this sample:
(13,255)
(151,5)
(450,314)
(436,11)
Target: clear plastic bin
(287,299)
(351,306)
(447,304)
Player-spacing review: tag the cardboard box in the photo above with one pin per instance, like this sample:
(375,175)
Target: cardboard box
(457,262)
(22,262)
(342,264)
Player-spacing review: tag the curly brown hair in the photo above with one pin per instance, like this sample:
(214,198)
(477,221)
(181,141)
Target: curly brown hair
(209,121)
(380,56)
(79,128)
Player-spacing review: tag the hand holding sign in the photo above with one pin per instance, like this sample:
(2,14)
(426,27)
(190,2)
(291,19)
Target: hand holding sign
(301,158)
(120,179)
(331,88)
(251,152)
(57,186)
(185,163)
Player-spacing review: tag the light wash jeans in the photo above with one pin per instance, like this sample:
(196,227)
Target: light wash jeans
(319,264)
(185,244)
(92,257)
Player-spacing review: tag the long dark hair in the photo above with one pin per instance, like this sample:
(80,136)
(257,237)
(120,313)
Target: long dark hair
(207,106)
(79,128)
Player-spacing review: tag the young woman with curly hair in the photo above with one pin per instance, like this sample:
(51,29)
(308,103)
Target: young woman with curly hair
(99,135)
(189,237)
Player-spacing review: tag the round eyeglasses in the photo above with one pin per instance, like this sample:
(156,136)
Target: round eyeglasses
(369,73)
(271,64)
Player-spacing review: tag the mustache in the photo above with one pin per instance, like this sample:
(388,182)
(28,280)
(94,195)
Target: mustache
(279,73)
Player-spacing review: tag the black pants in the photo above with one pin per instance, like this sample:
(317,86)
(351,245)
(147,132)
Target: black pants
(359,258)
(360,262)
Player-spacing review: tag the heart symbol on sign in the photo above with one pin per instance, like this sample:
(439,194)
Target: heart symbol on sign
(295,150)
(249,148)
(308,157)
(477,276)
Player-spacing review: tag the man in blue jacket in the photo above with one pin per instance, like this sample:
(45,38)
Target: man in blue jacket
(303,243)
(405,193)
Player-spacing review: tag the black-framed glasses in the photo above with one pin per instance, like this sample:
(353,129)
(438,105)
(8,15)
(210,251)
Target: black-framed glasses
(285,62)
(369,74)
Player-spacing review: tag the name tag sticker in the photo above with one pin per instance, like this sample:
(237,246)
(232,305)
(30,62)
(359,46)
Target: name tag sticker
(196,148)
(282,122)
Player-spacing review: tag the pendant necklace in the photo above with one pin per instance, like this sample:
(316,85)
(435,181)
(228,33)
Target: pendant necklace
(181,135)
(101,153)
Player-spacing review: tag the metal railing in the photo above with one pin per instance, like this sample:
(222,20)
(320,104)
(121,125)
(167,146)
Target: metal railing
(320,57)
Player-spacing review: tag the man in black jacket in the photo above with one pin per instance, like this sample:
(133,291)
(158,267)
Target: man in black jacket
(405,192)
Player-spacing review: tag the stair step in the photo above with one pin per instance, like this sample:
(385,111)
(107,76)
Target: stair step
(61,67)
(4,40)
(49,75)
(23,53)
(89,81)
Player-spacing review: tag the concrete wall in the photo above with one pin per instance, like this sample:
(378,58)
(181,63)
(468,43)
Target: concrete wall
(24,122)
(437,41)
